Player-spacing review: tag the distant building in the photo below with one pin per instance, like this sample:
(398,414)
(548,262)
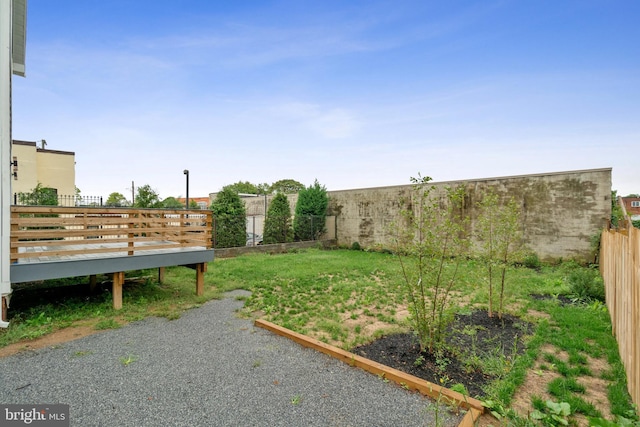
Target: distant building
(51,168)
(203,202)
(632,206)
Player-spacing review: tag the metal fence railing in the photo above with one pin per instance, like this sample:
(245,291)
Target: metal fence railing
(46,199)
(227,231)
(260,229)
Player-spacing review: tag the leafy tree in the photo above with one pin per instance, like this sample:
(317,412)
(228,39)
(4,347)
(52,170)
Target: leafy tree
(430,245)
(172,203)
(241,187)
(193,204)
(116,200)
(501,240)
(147,197)
(39,196)
(229,218)
(78,196)
(616,210)
(264,188)
(311,211)
(286,186)
(277,227)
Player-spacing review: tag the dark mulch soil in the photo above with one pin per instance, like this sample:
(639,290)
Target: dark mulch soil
(472,337)
(562,299)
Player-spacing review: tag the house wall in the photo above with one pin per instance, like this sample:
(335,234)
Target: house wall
(27,180)
(52,168)
(632,211)
(57,169)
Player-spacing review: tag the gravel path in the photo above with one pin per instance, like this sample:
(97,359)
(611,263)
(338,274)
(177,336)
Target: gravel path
(208,368)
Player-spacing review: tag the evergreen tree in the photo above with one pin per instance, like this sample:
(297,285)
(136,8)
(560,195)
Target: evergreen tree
(229,218)
(311,211)
(277,227)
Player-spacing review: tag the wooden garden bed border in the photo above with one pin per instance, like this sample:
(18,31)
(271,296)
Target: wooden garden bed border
(434,391)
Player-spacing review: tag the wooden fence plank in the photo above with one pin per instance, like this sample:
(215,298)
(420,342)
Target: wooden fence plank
(620,269)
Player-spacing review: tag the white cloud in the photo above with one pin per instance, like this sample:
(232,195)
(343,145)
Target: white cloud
(330,123)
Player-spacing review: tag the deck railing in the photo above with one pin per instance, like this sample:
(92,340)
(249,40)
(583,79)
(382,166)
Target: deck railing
(57,231)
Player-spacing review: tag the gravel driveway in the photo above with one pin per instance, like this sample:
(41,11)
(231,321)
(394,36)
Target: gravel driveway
(208,368)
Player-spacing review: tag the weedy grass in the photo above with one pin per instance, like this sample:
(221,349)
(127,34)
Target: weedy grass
(346,298)
(41,308)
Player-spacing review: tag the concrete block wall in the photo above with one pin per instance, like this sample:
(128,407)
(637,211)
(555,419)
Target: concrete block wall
(561,211)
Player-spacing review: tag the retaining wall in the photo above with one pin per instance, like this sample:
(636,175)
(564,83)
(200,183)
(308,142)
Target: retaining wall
(561,211)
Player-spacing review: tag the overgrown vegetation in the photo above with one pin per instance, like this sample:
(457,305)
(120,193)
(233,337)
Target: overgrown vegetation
(430,246)
(347,298)
(39,196)
(586,285)
(501,241)
(616,210)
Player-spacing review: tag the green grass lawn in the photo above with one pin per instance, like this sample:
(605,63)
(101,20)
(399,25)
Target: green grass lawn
(346,298)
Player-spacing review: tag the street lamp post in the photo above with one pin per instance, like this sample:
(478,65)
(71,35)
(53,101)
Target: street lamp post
(186,205)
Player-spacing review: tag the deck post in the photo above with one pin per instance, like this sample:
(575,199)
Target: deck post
(4,309)
(201,268)
(161,271)
(118,281)
(93,283)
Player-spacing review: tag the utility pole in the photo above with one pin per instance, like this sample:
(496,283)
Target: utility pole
(186,205)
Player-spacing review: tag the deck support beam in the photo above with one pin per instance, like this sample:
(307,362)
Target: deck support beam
(4,309)
(93,283)
(161,271)
(200,269)
(118,281)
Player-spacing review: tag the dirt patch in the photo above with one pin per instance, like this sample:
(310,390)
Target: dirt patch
(472,337)
(478,335)
(535,384)
(49,340)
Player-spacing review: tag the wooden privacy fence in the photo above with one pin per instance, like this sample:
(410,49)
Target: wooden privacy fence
(620,269)
(60,232)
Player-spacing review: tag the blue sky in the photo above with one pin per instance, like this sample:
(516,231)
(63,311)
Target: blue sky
(351,93)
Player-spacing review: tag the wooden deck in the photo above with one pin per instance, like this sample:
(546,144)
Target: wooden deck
(54,242)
